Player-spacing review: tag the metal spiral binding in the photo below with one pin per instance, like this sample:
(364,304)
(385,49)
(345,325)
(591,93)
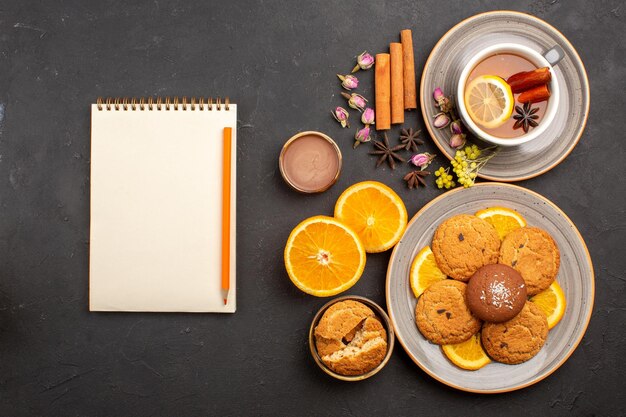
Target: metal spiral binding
(143,103)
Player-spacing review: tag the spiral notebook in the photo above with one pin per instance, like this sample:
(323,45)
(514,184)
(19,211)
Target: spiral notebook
(156,238)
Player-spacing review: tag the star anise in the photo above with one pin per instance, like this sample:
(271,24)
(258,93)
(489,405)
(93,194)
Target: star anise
(525,117)
(386,152)
(410,139)
(415,178)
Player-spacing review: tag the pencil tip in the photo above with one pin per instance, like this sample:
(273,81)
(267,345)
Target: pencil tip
(225,301)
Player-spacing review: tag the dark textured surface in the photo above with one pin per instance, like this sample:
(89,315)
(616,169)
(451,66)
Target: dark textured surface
(278,62)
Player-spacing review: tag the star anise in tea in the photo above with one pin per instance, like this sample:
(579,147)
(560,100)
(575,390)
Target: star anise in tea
(410,139)
(526,117)
(386,152)
(415,178)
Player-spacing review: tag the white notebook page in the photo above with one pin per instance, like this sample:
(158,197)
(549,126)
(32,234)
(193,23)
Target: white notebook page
(156,210)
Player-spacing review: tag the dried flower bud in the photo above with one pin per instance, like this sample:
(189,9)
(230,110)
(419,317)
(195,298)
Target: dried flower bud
(457,140)
(441,120)
(341,115)
(422,160)
(362,135)
(438,94)
(368,116)
(356,101)
(364,61)
(456,127)
(446,105)
(349,82)
(441,101)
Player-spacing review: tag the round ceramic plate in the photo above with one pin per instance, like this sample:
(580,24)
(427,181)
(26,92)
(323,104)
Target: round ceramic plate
(575,277)
(459,44)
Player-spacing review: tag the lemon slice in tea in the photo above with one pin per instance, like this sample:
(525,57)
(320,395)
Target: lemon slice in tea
(489,101)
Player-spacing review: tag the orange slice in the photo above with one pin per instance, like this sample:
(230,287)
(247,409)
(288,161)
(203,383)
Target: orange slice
(375,212)
(503,219)
(489,101)
(424,271)
(323,256)
(552,302)
(467,355)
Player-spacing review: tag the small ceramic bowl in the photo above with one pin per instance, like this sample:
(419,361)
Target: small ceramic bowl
(305,160)
(380,314)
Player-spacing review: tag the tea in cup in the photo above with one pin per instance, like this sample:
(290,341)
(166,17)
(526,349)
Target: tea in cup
(508,94)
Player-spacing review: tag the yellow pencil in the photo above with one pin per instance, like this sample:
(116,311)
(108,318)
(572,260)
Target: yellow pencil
(226,214)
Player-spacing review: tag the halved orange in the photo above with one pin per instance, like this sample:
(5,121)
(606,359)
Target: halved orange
(552,302)
(467,355)
(323,256)
(424,271)
(375,212)
(503,219)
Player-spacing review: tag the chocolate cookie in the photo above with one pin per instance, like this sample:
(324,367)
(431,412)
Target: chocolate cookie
(464,243)
(519,339)
(496,293)
(442,314)
(533,253)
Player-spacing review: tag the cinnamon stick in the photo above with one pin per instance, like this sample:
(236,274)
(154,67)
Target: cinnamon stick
(408,69)
(526,80)
(397,83)
(382,86)
(535,95)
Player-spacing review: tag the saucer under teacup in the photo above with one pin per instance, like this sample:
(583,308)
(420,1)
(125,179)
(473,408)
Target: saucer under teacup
(448,58)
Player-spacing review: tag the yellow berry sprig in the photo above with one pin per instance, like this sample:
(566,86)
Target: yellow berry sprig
(465,165)
(444,180)
(468,161)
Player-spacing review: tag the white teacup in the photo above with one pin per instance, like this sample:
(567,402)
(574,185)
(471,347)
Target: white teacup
(550,58)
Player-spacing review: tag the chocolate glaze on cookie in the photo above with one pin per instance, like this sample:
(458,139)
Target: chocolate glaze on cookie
(496,293)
